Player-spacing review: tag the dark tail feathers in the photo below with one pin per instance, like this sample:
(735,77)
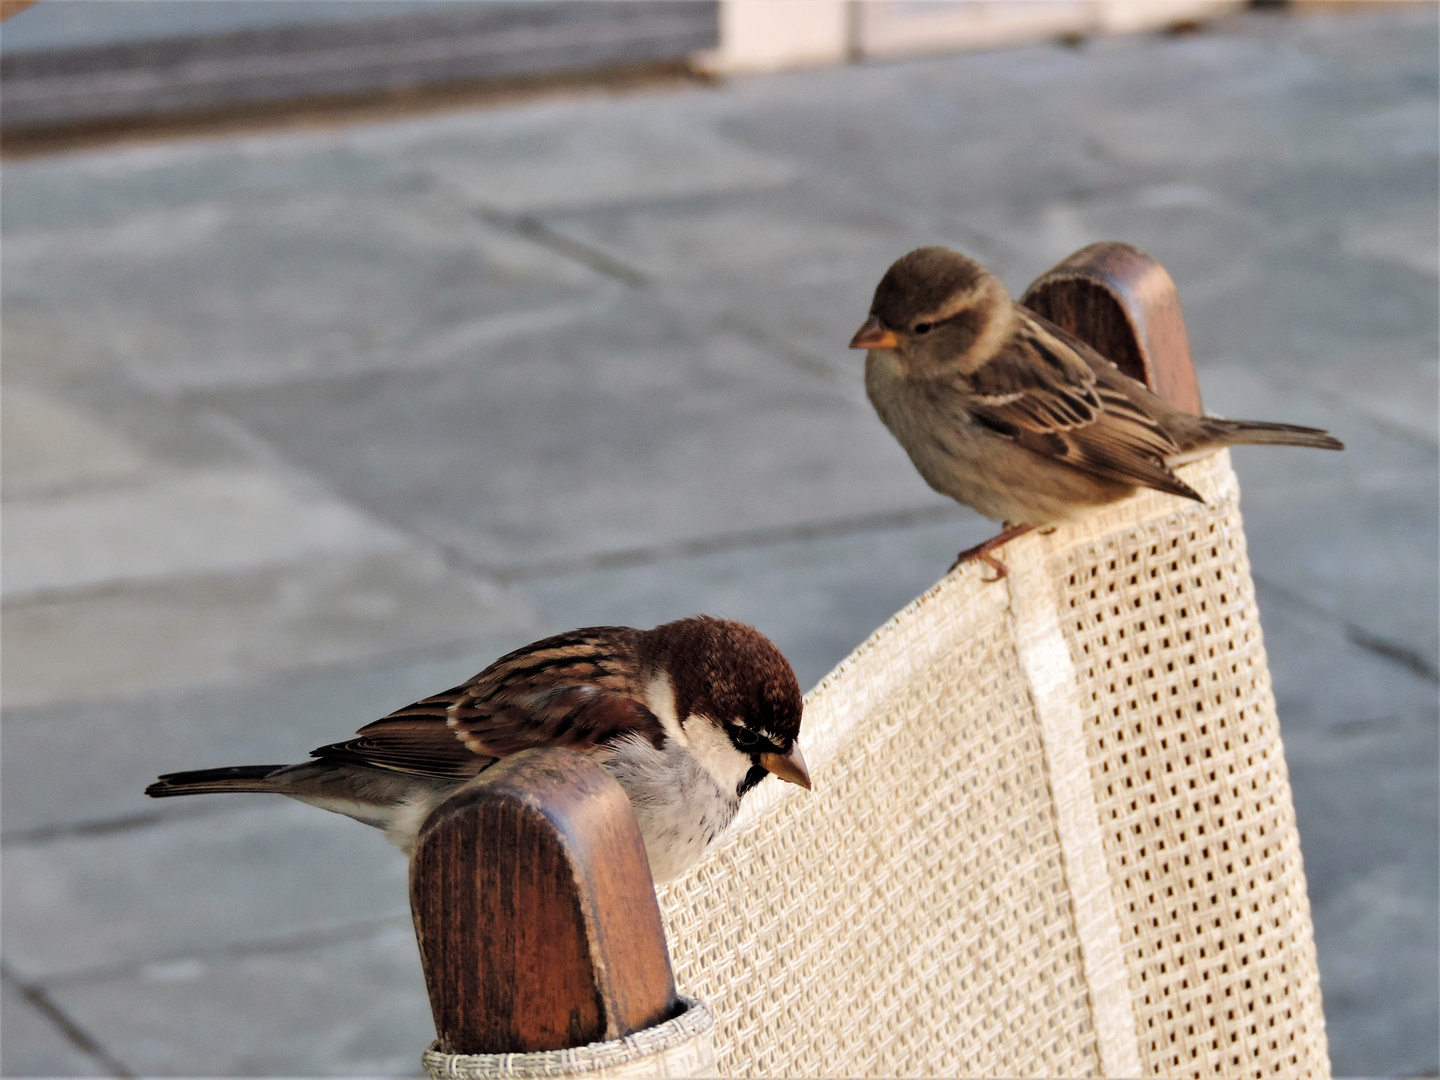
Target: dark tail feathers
(205,781)
(1260,433)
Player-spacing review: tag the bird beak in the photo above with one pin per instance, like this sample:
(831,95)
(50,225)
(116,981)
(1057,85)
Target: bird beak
(874,336)
(789,766)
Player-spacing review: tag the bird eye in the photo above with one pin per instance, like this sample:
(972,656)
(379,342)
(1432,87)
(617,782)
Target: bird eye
(923,327)
(746,739)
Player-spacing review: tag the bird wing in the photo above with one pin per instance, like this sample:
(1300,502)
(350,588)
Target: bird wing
(576,690)
(1053,394)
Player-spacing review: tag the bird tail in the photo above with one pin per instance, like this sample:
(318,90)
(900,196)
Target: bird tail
(208,781)
(1260,433)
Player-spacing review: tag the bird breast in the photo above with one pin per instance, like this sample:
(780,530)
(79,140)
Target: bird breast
(967,461)
(929,419)
(680,806)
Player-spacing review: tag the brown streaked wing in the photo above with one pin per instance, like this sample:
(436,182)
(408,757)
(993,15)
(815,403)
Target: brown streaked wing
(1058,397)
(606,657)
(1036,383)
(573,689)
(577,717)
(422,746)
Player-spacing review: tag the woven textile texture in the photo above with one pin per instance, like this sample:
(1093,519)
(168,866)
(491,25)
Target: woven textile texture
(680,1047)
(1051,832)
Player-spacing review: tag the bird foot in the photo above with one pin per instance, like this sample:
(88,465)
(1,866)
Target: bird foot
(983,551)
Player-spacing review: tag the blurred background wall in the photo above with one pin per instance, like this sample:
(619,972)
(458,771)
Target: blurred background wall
(83,61)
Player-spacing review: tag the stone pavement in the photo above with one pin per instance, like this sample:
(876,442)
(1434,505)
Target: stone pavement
(299,427)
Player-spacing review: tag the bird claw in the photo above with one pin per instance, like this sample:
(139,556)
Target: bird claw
(984,552)
(979,552)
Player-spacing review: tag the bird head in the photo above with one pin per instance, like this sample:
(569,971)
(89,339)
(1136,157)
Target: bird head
(936,311)
(735,699)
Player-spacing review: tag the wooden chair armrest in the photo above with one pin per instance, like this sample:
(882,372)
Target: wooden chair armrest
(535,911)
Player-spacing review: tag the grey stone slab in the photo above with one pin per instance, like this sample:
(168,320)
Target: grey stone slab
(1404,231)
(1313,310)
(816,598)
(355,1007)
(1280,110)
(101,188)
(1353,532)
(230,521)
(1361,744)
(1205,243)
(75,424)
(797,263)
(1399,394)
(1385,177)
(1306,89)
(32,1045)
(50,446)
(1026,127)
(931,139)
(175,633)
(559,155)
(86,763)
(37,349)
(1360,738)
(261,289)
(617,433)
(1379,983)
(264,872)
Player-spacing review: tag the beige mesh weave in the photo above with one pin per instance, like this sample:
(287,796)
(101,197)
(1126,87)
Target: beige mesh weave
(678,1049)
(1051,832)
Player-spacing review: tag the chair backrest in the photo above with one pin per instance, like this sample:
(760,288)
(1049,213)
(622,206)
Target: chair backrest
(1051,832)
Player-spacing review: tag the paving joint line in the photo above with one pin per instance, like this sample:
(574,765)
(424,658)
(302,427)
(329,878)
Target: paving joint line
(141,819)
(72,1032)
(534,229)
(1393,651)
(793,355)
(1412,660)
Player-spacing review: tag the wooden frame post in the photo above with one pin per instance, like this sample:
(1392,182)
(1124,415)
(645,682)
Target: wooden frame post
(1121,301)
(13,7)
(535,911)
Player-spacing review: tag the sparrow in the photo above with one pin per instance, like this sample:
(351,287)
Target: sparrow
(688,717)
(1004,411)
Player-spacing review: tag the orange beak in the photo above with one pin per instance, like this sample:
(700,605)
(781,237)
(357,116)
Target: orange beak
(789,766)
(874,336)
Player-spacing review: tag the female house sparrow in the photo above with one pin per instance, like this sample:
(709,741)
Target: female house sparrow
(1004,411)
(688,717)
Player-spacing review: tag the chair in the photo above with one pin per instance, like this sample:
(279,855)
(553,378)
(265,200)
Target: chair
(1051,833)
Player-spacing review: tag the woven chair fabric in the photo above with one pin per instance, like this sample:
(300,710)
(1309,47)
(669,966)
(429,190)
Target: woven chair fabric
(1051,832)
(680,1047)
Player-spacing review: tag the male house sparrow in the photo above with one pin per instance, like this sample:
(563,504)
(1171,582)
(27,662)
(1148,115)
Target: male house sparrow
(1004,411)
(688,717)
